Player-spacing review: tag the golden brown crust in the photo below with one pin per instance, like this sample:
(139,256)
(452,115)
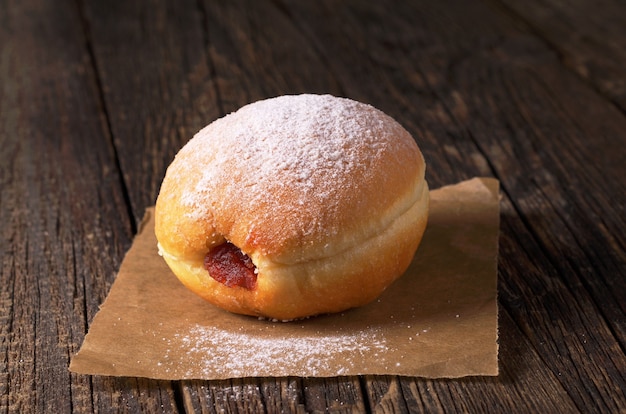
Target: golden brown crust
(326,195)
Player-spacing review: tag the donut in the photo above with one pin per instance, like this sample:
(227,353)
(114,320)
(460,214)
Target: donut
(293,206)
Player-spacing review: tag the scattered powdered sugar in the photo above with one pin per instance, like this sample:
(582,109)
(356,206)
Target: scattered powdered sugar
(231,353)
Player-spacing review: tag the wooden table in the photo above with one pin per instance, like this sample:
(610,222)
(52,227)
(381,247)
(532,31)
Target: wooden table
(96,97)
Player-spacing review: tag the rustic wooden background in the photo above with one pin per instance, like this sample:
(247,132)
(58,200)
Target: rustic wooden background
(97,96)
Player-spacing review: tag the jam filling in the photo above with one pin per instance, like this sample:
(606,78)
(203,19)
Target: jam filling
(227,264)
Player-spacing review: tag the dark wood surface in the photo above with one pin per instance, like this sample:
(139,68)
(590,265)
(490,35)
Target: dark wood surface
(96,97)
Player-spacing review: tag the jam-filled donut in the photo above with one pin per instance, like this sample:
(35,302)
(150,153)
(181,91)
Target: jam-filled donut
(293,206)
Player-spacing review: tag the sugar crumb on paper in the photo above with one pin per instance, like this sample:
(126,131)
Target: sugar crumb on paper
(218,352)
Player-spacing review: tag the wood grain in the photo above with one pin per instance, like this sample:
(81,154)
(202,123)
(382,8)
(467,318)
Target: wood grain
(59,191)
(96,98)
(588,37)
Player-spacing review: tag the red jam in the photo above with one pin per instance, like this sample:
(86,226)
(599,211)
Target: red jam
(227,264)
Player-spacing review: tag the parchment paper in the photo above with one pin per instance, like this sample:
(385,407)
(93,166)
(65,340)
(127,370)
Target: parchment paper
(439,320)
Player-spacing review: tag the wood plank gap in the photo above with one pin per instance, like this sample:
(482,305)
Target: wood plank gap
(264,401)
(367,404)
(84,21)
(179,396)
(84,292)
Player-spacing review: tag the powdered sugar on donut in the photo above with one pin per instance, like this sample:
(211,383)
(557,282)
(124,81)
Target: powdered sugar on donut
(295,164)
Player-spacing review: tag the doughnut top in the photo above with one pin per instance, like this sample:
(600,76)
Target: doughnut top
(293,178)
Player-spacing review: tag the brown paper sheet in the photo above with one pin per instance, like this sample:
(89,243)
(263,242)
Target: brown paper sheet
(438,321)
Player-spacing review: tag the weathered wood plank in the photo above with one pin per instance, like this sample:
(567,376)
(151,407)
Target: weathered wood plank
(65,225)
(475,97)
